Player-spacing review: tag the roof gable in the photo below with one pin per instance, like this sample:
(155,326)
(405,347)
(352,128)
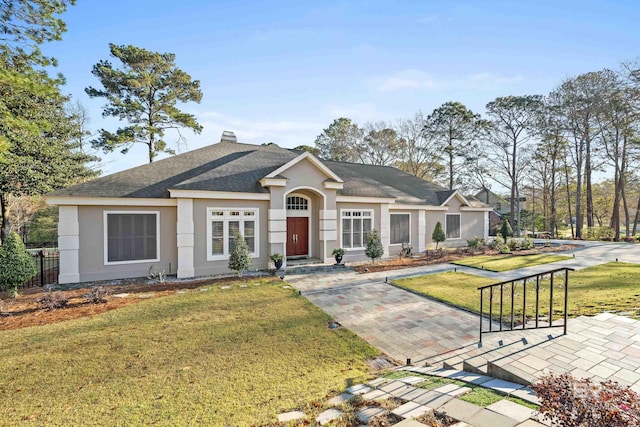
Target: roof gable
(459,196)
(311,159)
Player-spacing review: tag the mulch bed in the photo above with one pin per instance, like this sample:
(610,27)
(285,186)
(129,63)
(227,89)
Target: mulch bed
(24,310)
(399,263)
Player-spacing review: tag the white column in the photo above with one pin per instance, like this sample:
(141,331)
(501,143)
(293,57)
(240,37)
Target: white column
(69,244)
(328,230)
(486,225)
(422,230)
(185,240)
(385,229)
(277,226)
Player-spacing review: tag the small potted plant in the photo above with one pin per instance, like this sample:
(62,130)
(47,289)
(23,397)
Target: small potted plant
(338,253)
(277,260)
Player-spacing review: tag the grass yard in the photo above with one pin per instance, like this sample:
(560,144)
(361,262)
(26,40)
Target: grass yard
(608,287)
(508,262)
(204,357)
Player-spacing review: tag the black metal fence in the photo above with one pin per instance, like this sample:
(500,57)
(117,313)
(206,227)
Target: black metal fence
(506,307)
(48,263)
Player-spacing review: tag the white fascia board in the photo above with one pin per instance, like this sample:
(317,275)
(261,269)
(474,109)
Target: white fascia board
(418,207)
(109,201)
(357,199)
(313,159)
(475,209)
(332,185)
(273,182)
(457,194)
(203,194)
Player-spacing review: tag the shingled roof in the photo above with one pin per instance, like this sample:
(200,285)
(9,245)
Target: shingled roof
(236,167)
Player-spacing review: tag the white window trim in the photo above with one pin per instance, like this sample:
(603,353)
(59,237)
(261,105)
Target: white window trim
(226,219)
(342,211)
(106,237)
(297,212)
(399,213)
(459,228)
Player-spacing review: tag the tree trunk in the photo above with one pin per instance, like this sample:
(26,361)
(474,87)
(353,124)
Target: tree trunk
(567,183)
(450,158)
(637,217)
(614,224)
(512,206)
(4,225)
(587,174)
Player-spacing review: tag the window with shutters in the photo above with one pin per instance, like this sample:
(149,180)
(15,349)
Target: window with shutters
(222,226)
(131,237)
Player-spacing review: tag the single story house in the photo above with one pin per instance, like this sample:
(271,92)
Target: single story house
(178,214)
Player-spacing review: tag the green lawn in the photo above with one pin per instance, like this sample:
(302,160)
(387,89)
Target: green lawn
(508,262)
(608,287)
(205,357)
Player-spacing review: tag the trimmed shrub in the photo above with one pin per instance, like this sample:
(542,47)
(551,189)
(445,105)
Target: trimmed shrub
(527,243)
(16,264)
(506,230)
(513,244)
(476,242)
(569,402)
(239,259)
(374,247)
(438,234)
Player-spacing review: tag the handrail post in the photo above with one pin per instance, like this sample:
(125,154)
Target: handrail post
(490,309)
(566,299)
(481,314)
(41,255)
(501,307)
(537,298)
(512,295)
(524,303)
(551,301)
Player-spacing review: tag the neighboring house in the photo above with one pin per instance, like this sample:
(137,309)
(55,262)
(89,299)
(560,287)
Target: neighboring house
(179,214)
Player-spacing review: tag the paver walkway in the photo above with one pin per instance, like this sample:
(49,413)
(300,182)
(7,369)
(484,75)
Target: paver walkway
(405,325)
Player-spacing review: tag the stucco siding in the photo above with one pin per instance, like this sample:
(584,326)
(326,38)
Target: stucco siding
(91,245)
(202,266)
(472,225)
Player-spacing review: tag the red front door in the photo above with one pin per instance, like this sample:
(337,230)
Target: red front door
(297,236)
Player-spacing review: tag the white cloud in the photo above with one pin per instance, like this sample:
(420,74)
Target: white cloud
(416,79)
(286,133)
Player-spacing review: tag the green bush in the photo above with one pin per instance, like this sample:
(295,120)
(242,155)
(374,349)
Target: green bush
(513,244)
(374,246)
(239,259)
(16,264)
(476,242)
(527,243)
(506,230)
(438,234)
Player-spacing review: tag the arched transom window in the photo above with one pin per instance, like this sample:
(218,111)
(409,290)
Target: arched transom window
(297,203)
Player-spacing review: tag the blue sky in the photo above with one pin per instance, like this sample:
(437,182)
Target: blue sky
(282,71)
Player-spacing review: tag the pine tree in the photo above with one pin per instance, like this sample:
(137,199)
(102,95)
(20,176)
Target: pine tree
(506,230)
(438,234)
(374,246)
(16,264)
(239,259)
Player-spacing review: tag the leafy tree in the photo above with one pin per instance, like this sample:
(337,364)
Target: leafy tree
(513,121)
(340,141)
(438,234)
(39,163)
(506,230)
(313,150)
(24,26)
(144,92)
(381,146)
(420,153)
(454,129)
(16,264)
(374,247)
(239,258)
